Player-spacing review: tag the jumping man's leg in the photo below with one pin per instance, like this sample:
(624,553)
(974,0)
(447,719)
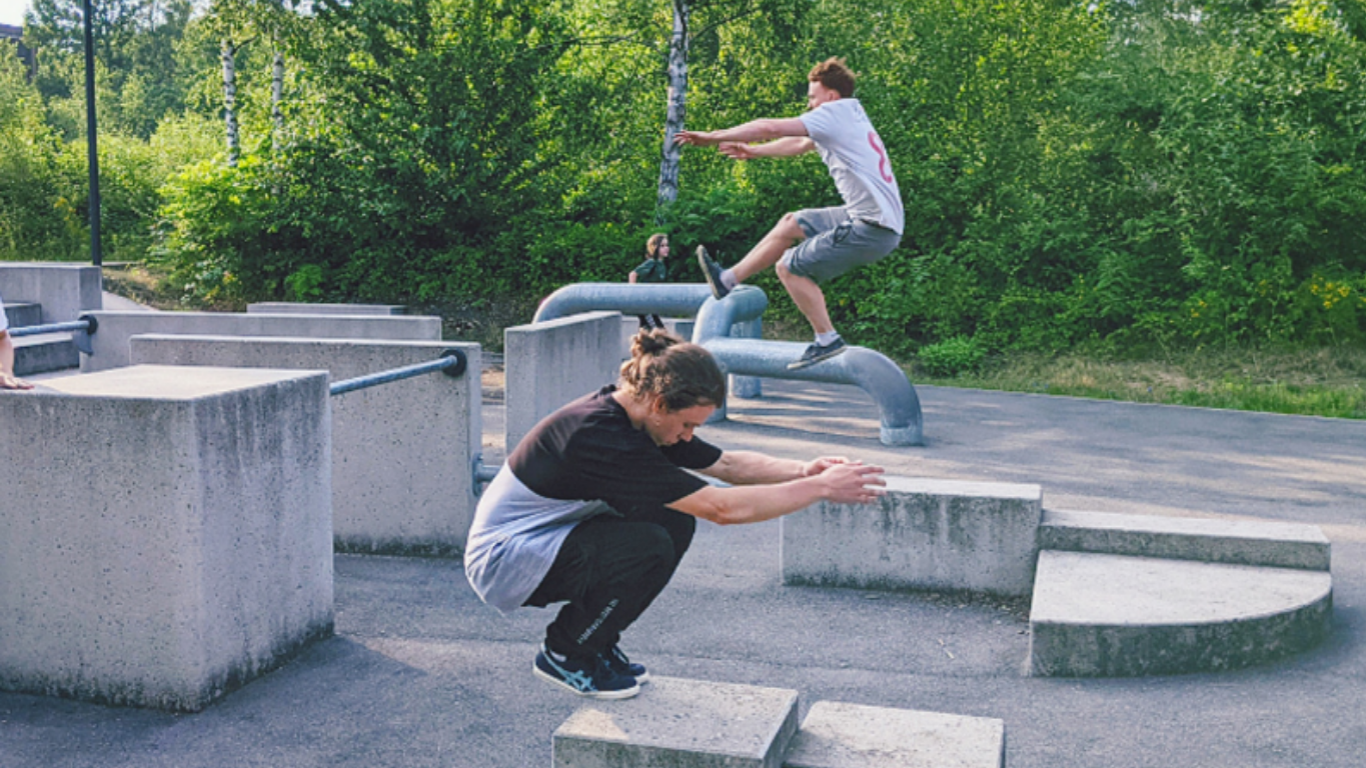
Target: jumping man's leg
(809,298)
(762,256)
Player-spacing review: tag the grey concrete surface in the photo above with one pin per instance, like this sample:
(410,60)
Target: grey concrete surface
(922,534)
(401,453)
(299,308)
(553,362)
(171,536)
(1245,542)
(110,342)
(681,724)
(839,735)
(65,290)
(44,353)
(422,674)
(1098,614)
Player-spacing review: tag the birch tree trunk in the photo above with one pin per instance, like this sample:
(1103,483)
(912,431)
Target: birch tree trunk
(230,100)
(678,97)
(277,88)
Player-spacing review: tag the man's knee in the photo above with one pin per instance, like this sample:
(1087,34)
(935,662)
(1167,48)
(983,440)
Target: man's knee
(789,226)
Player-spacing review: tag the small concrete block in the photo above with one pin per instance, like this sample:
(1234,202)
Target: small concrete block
(678,723)
(837,735)
(922,534)
(1244,542)
(1113,615)
(550,364)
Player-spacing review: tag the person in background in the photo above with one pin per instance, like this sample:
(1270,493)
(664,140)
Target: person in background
(652,270)
(7,378)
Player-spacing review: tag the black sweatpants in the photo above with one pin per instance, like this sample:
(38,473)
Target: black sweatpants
(607,573)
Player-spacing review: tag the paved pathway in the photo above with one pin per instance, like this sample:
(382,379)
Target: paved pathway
(422,674)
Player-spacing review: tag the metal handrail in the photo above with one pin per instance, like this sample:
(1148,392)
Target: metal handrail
(452,362)
(87,323)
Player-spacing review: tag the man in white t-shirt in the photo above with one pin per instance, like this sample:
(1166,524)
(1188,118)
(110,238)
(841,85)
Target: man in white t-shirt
(7,378)
(812,246)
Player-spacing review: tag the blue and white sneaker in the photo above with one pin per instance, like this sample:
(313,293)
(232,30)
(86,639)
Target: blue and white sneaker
(593,678)
(617,662)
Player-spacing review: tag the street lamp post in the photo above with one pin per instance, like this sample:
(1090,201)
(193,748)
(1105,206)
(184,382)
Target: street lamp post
(90,136)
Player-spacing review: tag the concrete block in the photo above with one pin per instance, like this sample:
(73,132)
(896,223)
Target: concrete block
(20,314)
(45,352)
(109,344)
(923,534)
(65,290)
(1099,615)
(300,308)
(837,735)
(547,365)
(1246,542)
(402,452)
(166,534)
(681,724)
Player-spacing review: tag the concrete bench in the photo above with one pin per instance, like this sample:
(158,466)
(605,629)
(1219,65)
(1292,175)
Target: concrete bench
(109,344)
(923,534)
(838,735)
(551,363)
(402,453)
(166,533)
(682,724)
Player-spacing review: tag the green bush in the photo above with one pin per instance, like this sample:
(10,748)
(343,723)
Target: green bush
(952,357)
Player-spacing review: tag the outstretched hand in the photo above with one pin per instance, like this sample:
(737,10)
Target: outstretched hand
(8,381)
(696,138)
(852,482)
(736,150)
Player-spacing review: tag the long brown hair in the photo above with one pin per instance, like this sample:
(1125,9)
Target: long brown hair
(683,374)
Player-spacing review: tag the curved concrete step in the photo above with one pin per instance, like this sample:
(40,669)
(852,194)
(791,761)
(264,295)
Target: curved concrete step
(1104,615)
(1246,542)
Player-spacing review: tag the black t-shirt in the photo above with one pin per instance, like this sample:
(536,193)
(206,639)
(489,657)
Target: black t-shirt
(588,450)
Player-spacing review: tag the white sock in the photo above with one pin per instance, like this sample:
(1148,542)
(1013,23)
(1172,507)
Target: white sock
(728,279)
(826,339)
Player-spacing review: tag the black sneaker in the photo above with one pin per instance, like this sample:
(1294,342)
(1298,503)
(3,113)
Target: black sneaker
(816,353)
(712,271)
(617,662)
(592,677)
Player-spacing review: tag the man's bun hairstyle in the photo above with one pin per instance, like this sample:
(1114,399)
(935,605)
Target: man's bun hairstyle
(682,373)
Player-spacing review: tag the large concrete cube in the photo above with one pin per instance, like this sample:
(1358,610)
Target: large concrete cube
(547,365)
(838,735)
(166,532)
(402,453)
(681,724)
(923,534)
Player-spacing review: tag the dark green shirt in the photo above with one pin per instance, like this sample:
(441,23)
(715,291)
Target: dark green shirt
(652,271)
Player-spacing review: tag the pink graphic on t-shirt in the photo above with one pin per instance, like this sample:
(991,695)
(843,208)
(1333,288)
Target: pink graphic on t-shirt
(884,165)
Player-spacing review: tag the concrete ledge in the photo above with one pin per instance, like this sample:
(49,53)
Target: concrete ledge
(681,724)
(1113,615)
(300,308)
(64,289)
(402,452)
(836,735)
(1245,542)
(45,352)
(549,364)
(110,342)
(187,547)
(19,314)
(923,534)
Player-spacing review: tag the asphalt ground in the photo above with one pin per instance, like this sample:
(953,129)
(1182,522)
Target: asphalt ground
(420,673)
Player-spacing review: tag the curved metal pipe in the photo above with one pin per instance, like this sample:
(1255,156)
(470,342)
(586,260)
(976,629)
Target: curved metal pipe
(873,372)
(676,299)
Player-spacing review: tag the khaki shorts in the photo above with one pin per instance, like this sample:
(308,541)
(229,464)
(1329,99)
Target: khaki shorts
(835,244)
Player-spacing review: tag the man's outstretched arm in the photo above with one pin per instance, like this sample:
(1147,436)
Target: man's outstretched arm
(754,130)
